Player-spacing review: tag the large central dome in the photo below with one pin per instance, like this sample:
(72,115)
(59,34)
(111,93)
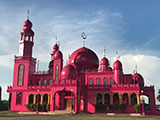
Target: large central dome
(83,59)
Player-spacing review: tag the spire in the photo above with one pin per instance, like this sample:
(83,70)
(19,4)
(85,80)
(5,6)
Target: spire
(135,69)
(104,52)
(117,55)
(28,14)
(84,36)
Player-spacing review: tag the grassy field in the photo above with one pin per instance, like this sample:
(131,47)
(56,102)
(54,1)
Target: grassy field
(12,116)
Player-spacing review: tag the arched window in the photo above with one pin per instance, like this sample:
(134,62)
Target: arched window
(31,99)
(50,81)
(38,98)
(105,81)
(116,99)
(98,81)
(99,98)
(125,98)
(56,76)
(45,99)
(38,82)
(112,81)
(91,81)
(133,99)
(20,74)
(44,82)
(107,99)
(19,98)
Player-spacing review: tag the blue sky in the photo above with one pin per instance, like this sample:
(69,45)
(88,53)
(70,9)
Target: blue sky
(129,26)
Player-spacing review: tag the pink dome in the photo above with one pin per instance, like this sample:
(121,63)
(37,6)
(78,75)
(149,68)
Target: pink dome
(104,61)
(138,78)
(68,72)
(83,59)
(109,68)
(58,55)
(117,65)
(27,28)
(55,47)
(27,24)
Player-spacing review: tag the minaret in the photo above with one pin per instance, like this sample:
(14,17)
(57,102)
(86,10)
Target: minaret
(26,41)
(24,64)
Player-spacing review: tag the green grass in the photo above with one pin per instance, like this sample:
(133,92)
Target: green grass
(5,115)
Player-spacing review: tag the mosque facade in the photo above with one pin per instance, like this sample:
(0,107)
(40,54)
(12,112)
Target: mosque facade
(85,84)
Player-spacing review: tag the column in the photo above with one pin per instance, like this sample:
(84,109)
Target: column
(102,98)
(137,98)
(34,99)
(120,98)
(41,102)
(27,99)
(49,98)
(52,104)
(95,99)
(129,98)
(111,98)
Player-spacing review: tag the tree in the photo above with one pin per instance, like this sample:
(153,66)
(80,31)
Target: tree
(158,97)
(136,108)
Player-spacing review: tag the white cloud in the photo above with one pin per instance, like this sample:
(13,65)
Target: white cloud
(7,61)
(148,67)
(5,95)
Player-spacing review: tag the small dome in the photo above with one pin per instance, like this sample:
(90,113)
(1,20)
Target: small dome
(117,65)
(83,59)
(27,24)
(27,31)
(104,61)
(58,55)
(109,68)
(51,63)
(68,72)
(55,47)
(138,78)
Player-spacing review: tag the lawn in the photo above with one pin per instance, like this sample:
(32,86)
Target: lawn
(12,116)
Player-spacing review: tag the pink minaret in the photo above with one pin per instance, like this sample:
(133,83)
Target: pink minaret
(26,41)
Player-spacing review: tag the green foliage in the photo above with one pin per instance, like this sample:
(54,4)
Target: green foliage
(100,107)
(116,107)
(136,108)
(122,107)
(3,105)
(158,97)
(41,107)
(28,106)
(110,108)
(48,107)
(33,107)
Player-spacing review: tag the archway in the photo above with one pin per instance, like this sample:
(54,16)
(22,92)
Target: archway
(125,98)
(146,101)
(133,99)
(115,98)
(30,99)
(99,98)
(107,99)
(45,99)
(38,99)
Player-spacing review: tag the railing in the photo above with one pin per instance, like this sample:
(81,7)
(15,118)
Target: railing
(24,58)
(41,72)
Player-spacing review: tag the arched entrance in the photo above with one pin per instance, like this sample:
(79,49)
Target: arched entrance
(146,101)
(64,100)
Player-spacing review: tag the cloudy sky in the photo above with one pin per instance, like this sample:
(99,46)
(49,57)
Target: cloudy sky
(130,27)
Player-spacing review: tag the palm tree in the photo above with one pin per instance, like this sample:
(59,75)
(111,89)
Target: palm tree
(158,97)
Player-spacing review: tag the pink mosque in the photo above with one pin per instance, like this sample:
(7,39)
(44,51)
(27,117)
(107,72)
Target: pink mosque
(79,86)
